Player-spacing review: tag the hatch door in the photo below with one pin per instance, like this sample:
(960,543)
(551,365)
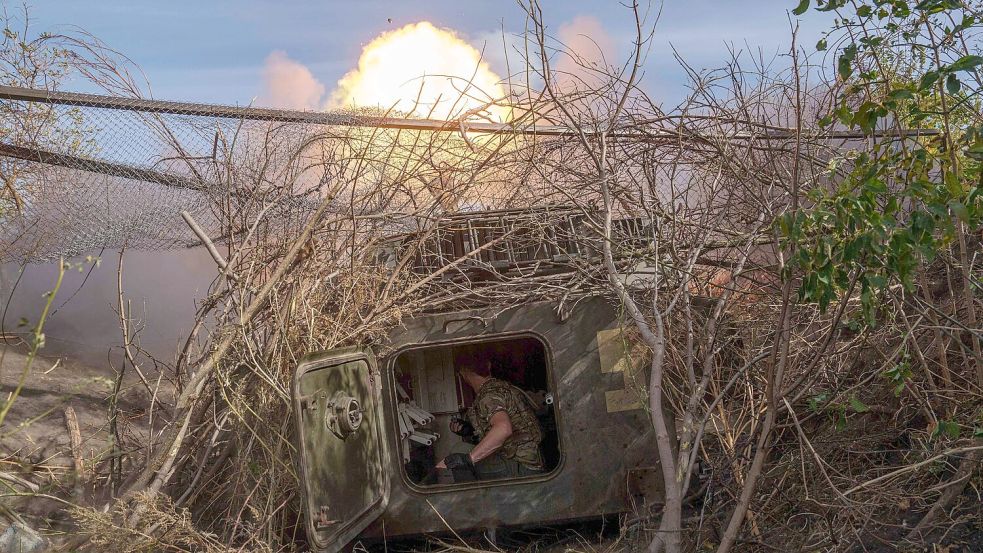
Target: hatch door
(338,404)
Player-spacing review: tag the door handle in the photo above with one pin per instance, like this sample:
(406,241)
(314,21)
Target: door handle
(343,415)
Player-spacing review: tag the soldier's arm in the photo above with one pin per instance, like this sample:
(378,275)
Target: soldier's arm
(498,432)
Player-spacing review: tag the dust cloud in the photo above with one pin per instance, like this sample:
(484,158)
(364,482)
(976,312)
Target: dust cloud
(587,45)
(162,288)
(289,84)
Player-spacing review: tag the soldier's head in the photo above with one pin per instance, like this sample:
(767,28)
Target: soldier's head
(475,372)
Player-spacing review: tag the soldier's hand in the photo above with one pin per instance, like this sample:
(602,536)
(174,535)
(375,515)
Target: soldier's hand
(457,461)
(464,429)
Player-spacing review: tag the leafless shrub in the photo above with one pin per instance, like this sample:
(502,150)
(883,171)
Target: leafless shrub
(775,420)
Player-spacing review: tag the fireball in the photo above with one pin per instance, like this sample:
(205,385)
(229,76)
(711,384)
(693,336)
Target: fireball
(422,71)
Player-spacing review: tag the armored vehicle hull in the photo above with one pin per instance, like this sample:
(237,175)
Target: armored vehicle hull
(357,453)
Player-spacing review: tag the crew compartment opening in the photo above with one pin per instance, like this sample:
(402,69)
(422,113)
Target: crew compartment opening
(430,396)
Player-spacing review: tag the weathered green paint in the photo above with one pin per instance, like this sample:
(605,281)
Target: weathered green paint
(347,482)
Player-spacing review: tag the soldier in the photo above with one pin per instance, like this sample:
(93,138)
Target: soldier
(504,428)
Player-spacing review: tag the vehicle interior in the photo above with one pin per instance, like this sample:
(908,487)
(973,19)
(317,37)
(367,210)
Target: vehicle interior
(430,396)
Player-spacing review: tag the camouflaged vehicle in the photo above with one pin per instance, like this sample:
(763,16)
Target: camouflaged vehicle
(369,428)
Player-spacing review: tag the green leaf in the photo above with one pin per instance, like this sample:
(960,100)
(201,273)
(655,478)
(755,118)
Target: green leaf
(801,8)
(952,184)
(898,375)
(821,45)
(927,80)
(937,6)
(917,115)
(966,63)
(952,84)
(968,21)
(858,406)
(845,63)
(975,151)
(817,401)
(785,224)
(949,428)
(959,210)
(867,115)
(877,186)
(831,5)
(900,94)
(844,114)
(844,68)
(864,11)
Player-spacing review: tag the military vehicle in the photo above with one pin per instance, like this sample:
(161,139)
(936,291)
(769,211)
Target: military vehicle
(369,427)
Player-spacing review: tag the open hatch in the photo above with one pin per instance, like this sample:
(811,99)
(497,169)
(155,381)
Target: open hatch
(338,400)
(429,395)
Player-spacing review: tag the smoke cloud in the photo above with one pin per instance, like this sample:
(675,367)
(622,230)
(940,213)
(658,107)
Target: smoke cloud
(162,288)
(288,84)
(587,44)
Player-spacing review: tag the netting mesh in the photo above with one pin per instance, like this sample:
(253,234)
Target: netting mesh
(70,211)
(85,172)
(94,172)
(81,178)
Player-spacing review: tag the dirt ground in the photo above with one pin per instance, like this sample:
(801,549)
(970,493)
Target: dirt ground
(36,451)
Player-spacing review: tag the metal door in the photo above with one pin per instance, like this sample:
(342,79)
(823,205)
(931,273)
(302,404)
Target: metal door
(343,447)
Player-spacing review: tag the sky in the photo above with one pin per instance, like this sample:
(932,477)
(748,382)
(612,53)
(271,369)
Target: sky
(220,51)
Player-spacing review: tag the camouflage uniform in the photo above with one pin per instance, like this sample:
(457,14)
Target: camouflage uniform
(523,445)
